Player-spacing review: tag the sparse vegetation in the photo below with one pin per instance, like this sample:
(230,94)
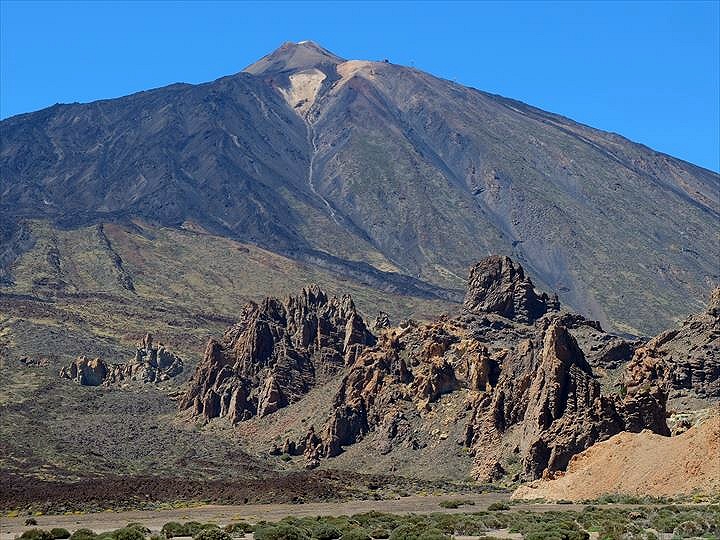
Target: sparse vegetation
(356,534)
(128,533)
(83,534)
(235,529)
(37,534)
(326,531)
(59,533)
(212,533)
(281,531)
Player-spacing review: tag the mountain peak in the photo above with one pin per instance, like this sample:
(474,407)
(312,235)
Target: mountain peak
(292,56)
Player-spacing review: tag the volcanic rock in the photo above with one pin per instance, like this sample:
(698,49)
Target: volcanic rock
(686,360)
(531,394)
(86,371)
(275,354)
(153,363)
(498,285)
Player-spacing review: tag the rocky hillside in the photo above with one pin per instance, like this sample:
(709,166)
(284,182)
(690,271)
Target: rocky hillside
(515,380)
(384,175)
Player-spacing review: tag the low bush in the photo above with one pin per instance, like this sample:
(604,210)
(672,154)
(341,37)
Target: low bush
(418,531)
(380,534)
(59,533)
(83,534)
(139,526)
(170,530)
(281,531)
(128,533)
(325,531)
(689,529)
(239,527)
(498,506)
(30,521)
(358,533)
(193,527)
(37,534)
(212,533)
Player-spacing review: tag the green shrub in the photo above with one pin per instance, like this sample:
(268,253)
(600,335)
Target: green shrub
(498,506)
(30,521)
(688,529)
(127,533)
(139,526)
(380,534)
(286,457)
(83,534)
(555,531)
(281,531)
(192,528)
(212,533)
(170,530)
(37,534)
(239,527)
(59,533)
(358,533)
(418,531)
(433,534)
(325,531)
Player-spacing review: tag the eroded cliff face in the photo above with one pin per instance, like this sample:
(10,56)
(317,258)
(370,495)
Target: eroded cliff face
(518,372)
(686,359)
(275,354)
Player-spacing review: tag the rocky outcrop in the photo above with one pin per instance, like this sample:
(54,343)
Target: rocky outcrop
(86,371)
(498,285)
(515,379)
(525,390)
(686,360)
(275,354)
(601,349)
(550,406)
(153,363)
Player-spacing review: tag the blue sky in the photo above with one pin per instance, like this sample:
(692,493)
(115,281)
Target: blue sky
(647,70)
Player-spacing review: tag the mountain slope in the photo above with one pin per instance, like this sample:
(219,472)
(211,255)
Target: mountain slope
(380,172)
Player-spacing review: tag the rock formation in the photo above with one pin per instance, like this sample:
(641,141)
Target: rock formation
(498,285)
(531,393)
(86,371)
(513,377)
(153,363)
(275,354)
(686,360)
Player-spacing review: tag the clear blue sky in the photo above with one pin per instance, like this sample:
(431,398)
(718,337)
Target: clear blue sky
(647,70)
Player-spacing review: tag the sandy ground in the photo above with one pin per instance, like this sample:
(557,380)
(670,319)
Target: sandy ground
(639,464)
(106,521)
